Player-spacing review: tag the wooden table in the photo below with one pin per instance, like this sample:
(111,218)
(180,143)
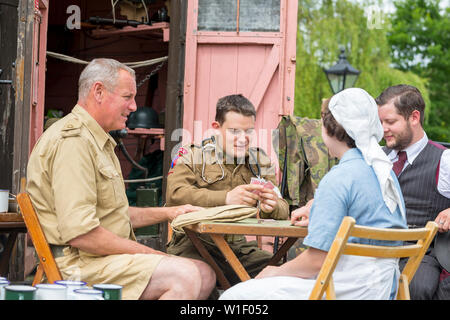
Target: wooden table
(11,223)
(251,226)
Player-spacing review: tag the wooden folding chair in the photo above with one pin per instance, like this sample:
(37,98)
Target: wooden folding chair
(47,264)
(340,246)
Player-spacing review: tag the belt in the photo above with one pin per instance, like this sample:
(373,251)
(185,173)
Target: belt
(57,250)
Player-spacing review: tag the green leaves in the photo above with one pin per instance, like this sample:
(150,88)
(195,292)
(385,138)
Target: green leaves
(409,46)
(419,39)
(324,26)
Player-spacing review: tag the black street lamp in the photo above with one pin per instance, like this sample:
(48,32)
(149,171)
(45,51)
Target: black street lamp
(342,75)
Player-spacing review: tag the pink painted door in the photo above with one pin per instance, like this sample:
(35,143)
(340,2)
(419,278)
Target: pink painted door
(239,46)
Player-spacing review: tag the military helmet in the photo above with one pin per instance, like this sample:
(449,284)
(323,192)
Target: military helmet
(143,117)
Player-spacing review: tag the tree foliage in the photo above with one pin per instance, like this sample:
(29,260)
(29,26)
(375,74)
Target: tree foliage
(420,39)
(324,25)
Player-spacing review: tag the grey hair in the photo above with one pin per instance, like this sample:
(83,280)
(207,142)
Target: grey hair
(101,70)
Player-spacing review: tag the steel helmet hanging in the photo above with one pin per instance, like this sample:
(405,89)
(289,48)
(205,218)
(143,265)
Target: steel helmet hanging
(143,117)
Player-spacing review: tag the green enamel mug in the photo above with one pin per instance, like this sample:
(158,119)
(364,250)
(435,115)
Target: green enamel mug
(19,292)
(110,291)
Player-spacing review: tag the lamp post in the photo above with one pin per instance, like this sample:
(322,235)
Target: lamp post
(342,75)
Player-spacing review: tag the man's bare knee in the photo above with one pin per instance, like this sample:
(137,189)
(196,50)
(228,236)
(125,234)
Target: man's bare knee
(175,278)
(208,278)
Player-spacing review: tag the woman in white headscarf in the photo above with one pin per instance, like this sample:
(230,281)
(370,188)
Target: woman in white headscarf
(362,186)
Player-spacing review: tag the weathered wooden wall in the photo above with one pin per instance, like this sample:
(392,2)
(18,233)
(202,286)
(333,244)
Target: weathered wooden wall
(16,20)
(62,77)
(8,49)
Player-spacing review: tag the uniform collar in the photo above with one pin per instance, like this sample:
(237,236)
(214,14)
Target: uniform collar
(262,158)
(100,136)
(217,152)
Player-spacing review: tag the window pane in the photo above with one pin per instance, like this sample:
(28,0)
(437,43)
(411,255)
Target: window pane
(217,15)
(259,15)
(350,80)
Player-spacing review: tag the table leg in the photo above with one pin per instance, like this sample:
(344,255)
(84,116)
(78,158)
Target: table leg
(230,256)
(6,255)
(205,254)
(282,251)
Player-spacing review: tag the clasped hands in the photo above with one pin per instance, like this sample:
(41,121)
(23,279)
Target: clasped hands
(250,194)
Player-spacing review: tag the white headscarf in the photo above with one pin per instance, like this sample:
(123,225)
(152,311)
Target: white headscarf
(357,112)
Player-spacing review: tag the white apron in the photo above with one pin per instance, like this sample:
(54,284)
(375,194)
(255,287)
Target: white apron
(355,278)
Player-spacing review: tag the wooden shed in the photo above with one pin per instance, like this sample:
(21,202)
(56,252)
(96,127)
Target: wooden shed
(189,53)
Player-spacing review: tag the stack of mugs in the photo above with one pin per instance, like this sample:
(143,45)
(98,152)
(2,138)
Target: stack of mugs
(60,290)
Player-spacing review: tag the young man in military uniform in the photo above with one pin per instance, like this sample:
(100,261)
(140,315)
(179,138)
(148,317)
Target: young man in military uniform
(75,183)
(219,173)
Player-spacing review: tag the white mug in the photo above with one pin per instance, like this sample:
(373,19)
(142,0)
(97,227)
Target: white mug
(71,287)
(3,284)
(88,294)
(4,200)
(48,291)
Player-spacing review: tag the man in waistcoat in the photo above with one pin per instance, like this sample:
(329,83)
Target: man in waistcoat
(423,170)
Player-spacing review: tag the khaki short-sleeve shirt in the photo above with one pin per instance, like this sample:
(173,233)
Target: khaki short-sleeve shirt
(75,181)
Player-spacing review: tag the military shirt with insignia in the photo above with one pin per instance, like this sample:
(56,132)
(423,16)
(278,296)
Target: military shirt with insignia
(196,177)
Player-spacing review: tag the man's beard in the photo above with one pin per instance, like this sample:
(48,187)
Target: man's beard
(402,140)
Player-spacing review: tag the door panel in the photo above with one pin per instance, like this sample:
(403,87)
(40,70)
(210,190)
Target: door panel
(222,61)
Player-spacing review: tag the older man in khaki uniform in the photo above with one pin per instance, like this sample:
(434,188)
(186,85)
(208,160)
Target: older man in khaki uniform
(75,182)
(218,173)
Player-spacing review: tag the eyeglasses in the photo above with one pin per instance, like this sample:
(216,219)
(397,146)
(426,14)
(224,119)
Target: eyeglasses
(239,132)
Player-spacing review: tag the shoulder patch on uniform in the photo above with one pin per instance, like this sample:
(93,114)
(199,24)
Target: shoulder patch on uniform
(181,151)
(174,161)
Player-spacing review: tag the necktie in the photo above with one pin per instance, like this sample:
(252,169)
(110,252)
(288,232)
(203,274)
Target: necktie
(400,163)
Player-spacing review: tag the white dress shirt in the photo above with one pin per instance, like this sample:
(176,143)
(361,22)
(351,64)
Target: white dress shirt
(444,168)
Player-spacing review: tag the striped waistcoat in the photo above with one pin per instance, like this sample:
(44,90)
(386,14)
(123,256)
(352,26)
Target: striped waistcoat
(419,186)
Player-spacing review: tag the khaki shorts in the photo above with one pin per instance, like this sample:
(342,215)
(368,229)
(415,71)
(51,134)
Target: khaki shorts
(131,271)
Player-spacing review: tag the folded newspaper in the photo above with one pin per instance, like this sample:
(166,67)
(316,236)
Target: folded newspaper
(228,213)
